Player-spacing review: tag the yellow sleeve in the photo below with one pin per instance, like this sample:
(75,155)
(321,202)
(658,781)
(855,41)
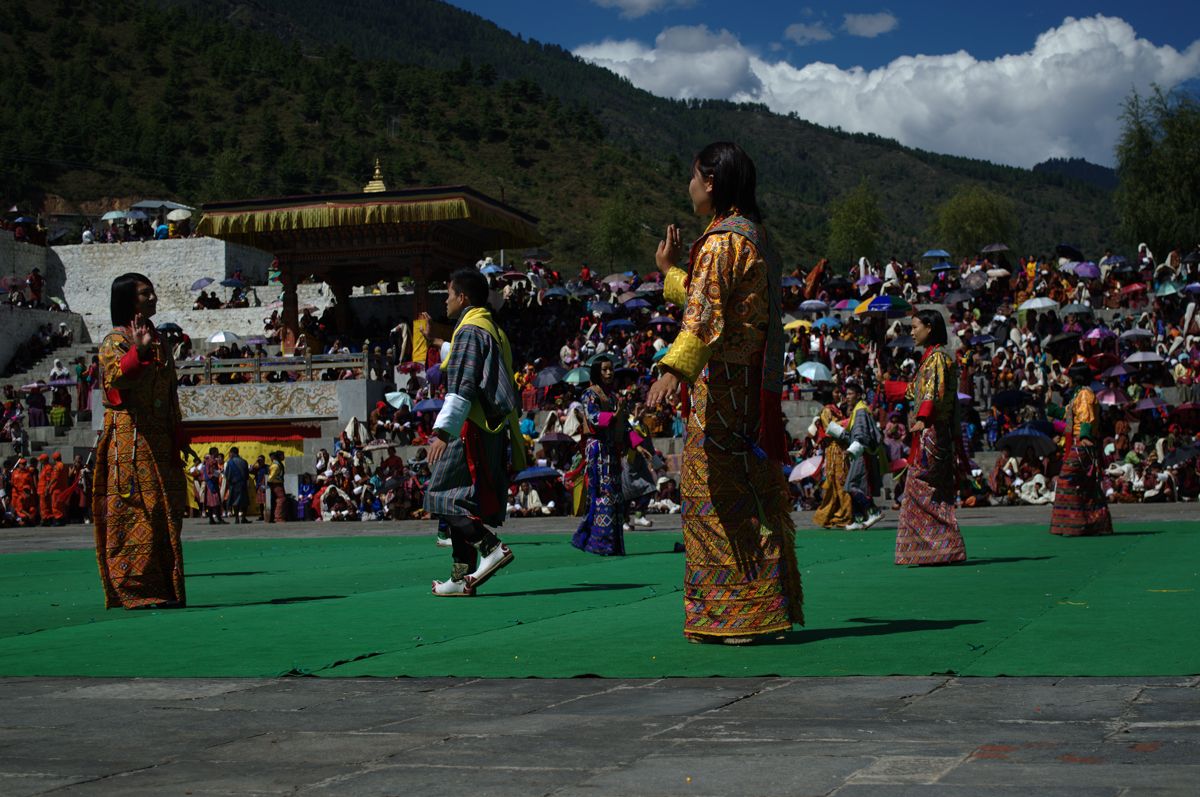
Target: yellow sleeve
(113,349)
(704,313)
(675,287)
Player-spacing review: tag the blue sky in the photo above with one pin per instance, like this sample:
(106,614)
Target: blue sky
(950,77)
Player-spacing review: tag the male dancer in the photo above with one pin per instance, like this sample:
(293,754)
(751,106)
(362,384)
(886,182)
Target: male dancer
(863,477)
(475,434)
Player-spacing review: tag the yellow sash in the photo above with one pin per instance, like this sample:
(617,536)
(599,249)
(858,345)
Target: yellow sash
(480,317)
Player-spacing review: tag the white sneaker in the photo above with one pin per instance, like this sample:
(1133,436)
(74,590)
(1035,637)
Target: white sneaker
(643,522)
(453,589)
(855,526)
(626,527)
(488,565)
(872,519)
(444,542)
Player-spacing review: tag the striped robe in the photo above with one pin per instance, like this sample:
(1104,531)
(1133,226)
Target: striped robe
(471,478)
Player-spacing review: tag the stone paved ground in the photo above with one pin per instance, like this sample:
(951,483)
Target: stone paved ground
(850,737)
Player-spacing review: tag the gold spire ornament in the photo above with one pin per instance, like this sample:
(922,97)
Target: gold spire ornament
(376,185)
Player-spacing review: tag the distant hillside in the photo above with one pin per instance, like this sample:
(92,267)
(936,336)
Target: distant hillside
(1081,170)
(220,99)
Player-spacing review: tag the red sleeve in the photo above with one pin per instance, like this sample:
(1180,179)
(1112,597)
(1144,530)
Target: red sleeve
(132,362)
(925,411)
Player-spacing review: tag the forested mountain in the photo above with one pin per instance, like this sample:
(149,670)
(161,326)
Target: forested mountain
(221,99)
(1080,169)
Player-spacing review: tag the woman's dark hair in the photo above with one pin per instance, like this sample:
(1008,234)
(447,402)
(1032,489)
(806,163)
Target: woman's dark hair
(594,369)
(123,301)
(733,176)
(471,284)
(937,325)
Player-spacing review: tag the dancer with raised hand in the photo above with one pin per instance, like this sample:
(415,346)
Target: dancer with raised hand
(928,532)
(1080,509)
(139,492)
(741,580)
(476,435)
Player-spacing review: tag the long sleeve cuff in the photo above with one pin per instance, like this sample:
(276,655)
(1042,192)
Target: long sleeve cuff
(925,411)
(1085,430)
(452,415)
(675,286)
(855,450)
(131,363)
(688,355)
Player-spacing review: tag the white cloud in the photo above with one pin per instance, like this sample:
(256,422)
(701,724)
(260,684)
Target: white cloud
(802,33)
(870,25)
(1060,99)
(685,62)
(632,9)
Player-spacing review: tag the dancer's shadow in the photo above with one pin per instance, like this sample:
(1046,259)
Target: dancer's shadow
(872,627)
(1131,534)
(1001,560)
(231,573)
(272,602)
(563,590)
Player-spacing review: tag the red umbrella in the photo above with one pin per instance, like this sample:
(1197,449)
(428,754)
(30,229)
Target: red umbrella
(1186,414)
(807,469)
(1136,287)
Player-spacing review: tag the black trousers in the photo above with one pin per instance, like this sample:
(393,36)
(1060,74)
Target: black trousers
(468,536)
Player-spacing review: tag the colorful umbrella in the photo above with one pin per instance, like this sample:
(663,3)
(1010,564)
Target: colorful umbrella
(891,305)
(799,323)
(1099,333)
(846,304)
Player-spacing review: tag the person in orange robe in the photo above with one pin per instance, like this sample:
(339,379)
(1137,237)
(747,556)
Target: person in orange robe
(45,479)
(62,488)
(24,500)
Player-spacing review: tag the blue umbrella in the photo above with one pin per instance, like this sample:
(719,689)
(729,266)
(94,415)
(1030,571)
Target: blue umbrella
(582,291)
(982,340)
(942,266)
(637,304)
(233,283)
(660,320)
(604,308)
(429,405)
(23,220)
(201,283)
(533,474)
(827,321)
(549,376)
(813,306)
(939,253)
(620,323)
(604,355)
(170,326)
(792,282)
(492,269)
(557,291)
(1022,438)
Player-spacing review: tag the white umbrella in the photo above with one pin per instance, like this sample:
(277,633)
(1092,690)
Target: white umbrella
(814,371)
(1144,357)
(113,215)
(224,337)
(179,215)
(997,273)
(806,469)
(1039,303)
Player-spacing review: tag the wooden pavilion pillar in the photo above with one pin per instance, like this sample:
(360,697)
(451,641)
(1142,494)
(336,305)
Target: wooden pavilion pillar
(291,308)
(341,290)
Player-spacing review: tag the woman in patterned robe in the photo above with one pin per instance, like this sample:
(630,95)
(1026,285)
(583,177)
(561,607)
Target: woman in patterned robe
(1080,509)
(928,533)
(139,492)
(836,510)
(741,579)
(601,531)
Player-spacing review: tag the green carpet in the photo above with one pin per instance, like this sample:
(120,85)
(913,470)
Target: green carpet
(1027,603)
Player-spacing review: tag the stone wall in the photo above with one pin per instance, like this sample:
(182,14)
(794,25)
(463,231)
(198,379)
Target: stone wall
(18,324)
(18,259)
(85,274)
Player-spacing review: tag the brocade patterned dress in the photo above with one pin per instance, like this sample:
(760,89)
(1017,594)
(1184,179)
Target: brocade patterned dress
(1080,509)
(928,532)
(741,577)
(139,491)
(601,531)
